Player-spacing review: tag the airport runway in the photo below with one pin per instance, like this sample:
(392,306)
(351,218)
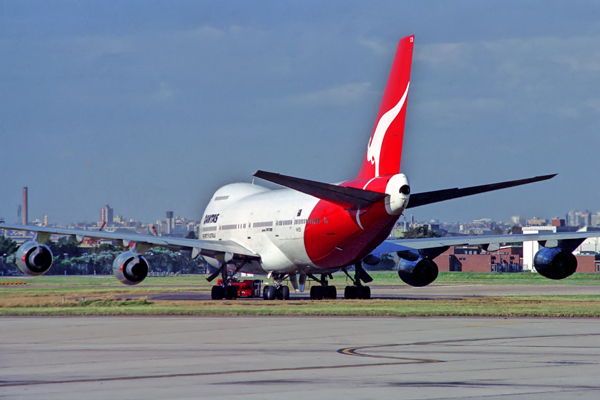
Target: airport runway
(298,357)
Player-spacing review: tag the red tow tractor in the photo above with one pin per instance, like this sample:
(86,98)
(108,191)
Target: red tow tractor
(245,288)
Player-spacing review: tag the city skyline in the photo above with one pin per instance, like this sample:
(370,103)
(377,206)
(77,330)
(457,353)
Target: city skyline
(152,108)
(570,218)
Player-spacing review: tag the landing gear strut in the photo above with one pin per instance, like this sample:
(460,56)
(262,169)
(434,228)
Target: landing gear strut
(358,290)
(277,292)
(324,291)
(226,291)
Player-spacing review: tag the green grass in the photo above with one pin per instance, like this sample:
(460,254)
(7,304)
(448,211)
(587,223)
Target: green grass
(87,295)
(509,306)
(523,278)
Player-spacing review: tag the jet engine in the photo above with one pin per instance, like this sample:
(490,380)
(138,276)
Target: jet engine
(555,263)
(33,258)
(130,268)
(420,272)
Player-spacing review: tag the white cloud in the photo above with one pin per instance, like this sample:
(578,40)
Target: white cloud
(449,110)
(376,46)
(548,75)
(594,104)
(340,95)
(445,54)
(164,92)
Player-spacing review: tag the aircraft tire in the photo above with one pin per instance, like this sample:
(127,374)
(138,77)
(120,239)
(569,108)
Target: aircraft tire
(231,292)
(364,292)
(330,292)
(351,292)
(269,293)
(285,293)
(217,292)
(316,293)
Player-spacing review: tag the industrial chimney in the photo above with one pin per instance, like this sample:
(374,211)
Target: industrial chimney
(25,206)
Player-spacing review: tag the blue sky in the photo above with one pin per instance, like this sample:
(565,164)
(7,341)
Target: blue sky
(151,106)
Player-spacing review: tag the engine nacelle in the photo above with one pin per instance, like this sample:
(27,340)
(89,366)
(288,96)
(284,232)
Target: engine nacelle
(555,263)
(130,268)
(419,273)
(34,259)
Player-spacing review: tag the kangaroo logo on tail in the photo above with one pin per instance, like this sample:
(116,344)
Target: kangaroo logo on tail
(374,148)
(384,150)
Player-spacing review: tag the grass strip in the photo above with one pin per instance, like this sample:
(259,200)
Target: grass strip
(506,306)
(95,295)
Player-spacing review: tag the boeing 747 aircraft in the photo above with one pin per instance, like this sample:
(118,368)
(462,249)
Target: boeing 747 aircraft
(308,229)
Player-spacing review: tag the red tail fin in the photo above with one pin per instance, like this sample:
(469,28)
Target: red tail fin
(385,147)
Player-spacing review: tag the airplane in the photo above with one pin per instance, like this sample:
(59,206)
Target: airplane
(310,229)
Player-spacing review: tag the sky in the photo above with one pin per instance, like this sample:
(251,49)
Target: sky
(150,106)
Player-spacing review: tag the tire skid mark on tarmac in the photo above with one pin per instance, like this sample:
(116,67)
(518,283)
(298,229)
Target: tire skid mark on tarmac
(351,351)
(192,374)
(356,351)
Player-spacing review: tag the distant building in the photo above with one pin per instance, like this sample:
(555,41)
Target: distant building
(170,223)
(595,219)
(106,215)
(576,218)
(474,259)
(535,221)
(557,222)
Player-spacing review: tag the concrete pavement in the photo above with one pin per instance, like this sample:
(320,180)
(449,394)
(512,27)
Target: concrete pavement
(283,357)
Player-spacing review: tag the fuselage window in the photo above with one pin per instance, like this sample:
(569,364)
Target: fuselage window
(262,224)
(228,227)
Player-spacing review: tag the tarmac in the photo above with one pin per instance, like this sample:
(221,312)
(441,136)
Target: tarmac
(298,357)
(402,292)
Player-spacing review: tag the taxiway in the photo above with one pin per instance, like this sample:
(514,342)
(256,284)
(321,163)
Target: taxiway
(317,358)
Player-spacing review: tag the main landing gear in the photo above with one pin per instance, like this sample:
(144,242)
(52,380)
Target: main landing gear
(358,290)
(226,290)
(324,291)
(277,292)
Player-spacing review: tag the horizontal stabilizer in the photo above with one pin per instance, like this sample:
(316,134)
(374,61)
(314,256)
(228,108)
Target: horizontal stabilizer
(421,199)
(347,197)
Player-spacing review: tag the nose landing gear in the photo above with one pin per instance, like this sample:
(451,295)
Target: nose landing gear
(277,292)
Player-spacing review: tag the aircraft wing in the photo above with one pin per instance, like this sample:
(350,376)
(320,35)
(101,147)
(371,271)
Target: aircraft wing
(204,247)
(488,242)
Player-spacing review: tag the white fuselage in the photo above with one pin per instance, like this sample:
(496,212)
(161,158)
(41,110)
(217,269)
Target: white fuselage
(269,222)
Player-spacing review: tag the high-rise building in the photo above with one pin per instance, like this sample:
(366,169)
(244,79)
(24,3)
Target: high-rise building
(169,222)
(517,220)
(25,216)
(106,215)
(572,218)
